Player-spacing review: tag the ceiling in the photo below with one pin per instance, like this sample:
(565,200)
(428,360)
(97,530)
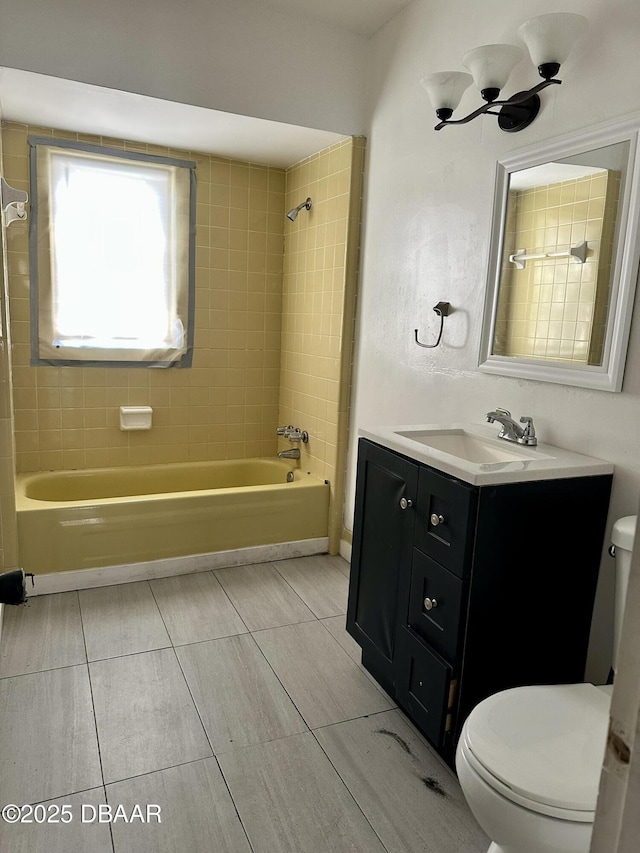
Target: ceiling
(549,173)
(363,17)
(30,98)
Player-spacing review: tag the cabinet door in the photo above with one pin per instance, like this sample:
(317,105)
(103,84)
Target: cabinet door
(386,489)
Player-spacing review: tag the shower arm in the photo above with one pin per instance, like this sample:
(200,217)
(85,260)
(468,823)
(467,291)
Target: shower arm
(296,210)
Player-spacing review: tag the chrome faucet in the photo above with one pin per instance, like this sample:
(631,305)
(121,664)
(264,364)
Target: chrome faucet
(293,433)
(511,431)
(294,453)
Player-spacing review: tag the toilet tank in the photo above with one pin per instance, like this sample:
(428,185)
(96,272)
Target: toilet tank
(622,536)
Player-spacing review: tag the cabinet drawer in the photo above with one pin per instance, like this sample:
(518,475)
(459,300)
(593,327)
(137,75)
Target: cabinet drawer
(444,521)
(422,688)
(435,603)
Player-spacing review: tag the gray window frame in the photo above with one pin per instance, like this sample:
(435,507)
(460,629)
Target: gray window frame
(133,156)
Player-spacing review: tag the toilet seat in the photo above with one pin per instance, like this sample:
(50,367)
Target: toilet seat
(541,747)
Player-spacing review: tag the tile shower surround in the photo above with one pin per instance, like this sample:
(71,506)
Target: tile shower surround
(230,402)
(8,523)
(226,405)
(273,331)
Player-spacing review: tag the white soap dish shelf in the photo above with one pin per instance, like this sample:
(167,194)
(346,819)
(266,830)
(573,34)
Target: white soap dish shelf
(135,417)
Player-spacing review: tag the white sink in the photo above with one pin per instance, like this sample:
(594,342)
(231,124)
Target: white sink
(470,447)
(475,454)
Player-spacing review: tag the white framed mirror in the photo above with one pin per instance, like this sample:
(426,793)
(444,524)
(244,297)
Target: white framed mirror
(563,260)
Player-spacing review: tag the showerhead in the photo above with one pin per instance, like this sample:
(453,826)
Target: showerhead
(296,210)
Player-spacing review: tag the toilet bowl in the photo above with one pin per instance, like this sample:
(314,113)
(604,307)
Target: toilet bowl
(529,762)
(529,759)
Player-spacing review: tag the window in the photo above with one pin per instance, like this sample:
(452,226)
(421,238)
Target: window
(111,256)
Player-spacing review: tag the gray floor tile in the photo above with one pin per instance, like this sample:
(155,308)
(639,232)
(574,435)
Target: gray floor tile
(44,634)
(48,744)
(153,744)
(145,715)
(238,697)
(75,836)
(343,565)
(412,801)
(195,608)
(318,582)
(121,620)
(323,681)
(291,800)
(262,597)
(196,810)
(336,627)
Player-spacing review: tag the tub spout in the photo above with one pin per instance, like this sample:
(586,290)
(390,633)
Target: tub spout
(294,453)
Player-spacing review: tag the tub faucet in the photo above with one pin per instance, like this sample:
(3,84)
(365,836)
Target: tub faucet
(511,431)
(294,453)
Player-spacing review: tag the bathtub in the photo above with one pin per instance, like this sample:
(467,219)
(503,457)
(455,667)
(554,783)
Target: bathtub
(115,517)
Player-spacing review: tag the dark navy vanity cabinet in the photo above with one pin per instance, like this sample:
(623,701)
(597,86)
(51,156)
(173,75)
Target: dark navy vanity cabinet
(458,591)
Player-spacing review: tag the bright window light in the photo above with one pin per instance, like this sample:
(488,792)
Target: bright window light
(113,254)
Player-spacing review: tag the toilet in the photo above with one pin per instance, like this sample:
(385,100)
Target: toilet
(529,759)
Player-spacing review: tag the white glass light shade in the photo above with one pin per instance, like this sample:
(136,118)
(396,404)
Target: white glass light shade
(445,88)
(492,64)
(551,37)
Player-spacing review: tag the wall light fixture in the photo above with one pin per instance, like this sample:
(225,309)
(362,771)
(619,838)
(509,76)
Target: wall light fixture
(549,39)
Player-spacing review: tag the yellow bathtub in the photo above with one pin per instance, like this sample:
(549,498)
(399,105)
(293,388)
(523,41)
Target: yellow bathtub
(70,520)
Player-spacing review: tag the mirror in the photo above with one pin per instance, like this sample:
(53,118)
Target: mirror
(563,260)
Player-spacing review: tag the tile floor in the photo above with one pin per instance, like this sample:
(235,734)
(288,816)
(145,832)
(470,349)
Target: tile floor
(234,700)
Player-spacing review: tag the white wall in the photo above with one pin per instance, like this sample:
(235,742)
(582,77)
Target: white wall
(426,237)
(233,55)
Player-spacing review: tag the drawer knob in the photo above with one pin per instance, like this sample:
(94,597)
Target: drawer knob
(406,503)
(430,603)
(436,519)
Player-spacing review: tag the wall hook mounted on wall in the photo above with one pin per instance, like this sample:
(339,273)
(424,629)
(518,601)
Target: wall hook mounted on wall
(442,309)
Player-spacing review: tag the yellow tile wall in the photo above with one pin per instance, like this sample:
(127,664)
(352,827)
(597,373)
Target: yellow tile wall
(556,308)
(603,286)
(226,405)
(8,522)
(319,292)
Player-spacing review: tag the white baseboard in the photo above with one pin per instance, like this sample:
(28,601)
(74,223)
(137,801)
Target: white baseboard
(345,550)
(110,575)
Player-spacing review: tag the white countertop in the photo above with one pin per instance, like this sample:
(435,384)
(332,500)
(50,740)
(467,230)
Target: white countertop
(541,462)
